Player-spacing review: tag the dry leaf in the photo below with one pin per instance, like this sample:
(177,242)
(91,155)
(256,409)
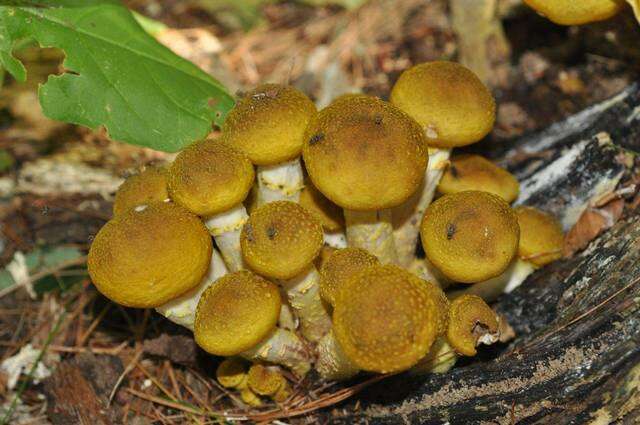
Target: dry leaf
(591,223)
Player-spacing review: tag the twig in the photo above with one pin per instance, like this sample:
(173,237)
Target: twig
(127,370)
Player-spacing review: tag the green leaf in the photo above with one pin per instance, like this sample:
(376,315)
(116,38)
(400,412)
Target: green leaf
(116,75)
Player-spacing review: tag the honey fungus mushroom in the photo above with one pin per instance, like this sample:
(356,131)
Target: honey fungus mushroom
(280,241)
(268,381)
(572,12)
(339,267)
(150,255)
(329,214)
(471,322)
(238,316)
(141,189)
(470,236)
(474,172)
(211,179)
(454,108)
(366,156)
(268,125)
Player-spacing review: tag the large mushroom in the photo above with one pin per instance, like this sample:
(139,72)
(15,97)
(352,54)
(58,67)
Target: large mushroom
(454,109)
(367,156)
(268,124)
(280,241)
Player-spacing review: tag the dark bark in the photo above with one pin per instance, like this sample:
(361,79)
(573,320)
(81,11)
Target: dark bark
(575,358)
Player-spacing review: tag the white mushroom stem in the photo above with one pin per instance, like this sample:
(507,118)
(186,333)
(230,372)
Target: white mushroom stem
(336,240)
(284,348)
(408,216)
(182,310)
(332,363)
(287,319)
(303,292)
(225,229)
(489,290)
(440,359)
(280,182)
(372,231)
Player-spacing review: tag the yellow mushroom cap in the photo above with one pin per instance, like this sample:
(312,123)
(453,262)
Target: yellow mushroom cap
(280,240)
(141,189)
(386,319)
(232,372)
(470,236)
(236,313)
(150,255)
(473,172)
(365,154)
(339,267)
(541,236)
(470,318)
(329,214)
(265,381)
(576,12)
(453,106)
(210,177)
(268,123)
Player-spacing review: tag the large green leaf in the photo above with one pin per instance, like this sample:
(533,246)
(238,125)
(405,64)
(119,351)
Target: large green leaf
(116,75)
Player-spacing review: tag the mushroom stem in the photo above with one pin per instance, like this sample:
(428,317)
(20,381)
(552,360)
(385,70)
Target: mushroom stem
(424,269)
(303,293)
(372,231)
(182,310)
(287,319)
(284,348)
(440,359)
(225,229)
(332,363)
(280,182)
(489,290)
(407,217)
(335,239)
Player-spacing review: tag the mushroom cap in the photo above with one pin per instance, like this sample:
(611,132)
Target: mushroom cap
(141,189)
(329,214)
(365,154)
(268,123)
(572,12)
(232,372)
(470,236)
(210,177)
(474,172)
(150,255)
(236,313)
(541,237)
(453,106)
(265,381)
(339,267)
(470,318)
(386,319)
(280,240)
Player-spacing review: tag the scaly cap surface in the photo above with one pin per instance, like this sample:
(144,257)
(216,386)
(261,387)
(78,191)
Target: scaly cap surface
(339,267)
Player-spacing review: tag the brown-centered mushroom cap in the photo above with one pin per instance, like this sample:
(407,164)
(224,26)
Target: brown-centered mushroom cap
(473,172)
(365,154)
(541,236)
(329,214)
(386,319)
(150,255)
(280,240)
(210,177)
(470,236)
(339,267)
(237,312)
(141,189)
(449,102)
(576,12)
(470,320)
(268,123)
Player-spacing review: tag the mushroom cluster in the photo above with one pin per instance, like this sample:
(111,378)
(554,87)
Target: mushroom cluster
(280,268)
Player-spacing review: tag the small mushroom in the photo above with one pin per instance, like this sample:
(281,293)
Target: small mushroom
(572,12)
(232,372)
(280,241)
(470,236)
(329,214)
(541,241)
(366,156)
(141,189)
(265,381)
(268,124)
(339,267)
(211,179)
(473,172)
(238,316)
(454,108)
(148,256)
(471,323)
